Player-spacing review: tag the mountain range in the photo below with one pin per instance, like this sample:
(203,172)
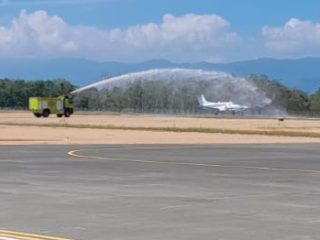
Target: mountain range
(301,73)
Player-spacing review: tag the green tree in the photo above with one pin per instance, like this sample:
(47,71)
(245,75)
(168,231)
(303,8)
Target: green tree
(315,101)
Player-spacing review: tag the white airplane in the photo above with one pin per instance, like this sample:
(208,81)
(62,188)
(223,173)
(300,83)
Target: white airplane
(221,106)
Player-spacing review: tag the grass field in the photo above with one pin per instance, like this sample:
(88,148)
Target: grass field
(23,127)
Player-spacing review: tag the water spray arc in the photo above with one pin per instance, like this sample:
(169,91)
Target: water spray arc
(221,86)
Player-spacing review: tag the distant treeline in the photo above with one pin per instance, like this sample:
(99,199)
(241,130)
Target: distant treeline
(170,97)
(15,93)
(153,96)
(294,101)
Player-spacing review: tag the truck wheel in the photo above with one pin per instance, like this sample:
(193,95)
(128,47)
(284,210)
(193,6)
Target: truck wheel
(67,113)
(46,113)
(59,115)
(37,115)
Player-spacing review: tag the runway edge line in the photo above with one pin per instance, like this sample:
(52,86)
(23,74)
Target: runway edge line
(73,153)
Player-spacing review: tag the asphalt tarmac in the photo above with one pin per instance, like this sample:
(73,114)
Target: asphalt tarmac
(135,192)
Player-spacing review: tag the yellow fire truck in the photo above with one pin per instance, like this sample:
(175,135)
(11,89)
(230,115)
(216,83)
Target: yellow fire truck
(44,106)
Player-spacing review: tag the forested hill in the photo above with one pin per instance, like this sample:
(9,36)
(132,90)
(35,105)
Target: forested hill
(152,97)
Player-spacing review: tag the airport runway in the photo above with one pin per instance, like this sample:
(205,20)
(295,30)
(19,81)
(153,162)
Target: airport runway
(233,192)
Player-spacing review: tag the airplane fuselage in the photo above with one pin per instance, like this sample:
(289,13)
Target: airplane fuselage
(221,106)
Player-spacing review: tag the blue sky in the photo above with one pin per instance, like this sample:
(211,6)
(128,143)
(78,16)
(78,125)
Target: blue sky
(177,30)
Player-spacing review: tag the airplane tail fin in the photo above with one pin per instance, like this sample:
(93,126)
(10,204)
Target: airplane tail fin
(202,100)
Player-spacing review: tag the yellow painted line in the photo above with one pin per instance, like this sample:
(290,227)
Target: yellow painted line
(75,153)
(27,236)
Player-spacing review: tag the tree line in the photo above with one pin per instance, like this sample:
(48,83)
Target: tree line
(153,96)
(294,101)
(15,93)
(181,97)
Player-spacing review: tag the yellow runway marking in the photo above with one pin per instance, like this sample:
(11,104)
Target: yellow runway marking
(74,153)
(5,234)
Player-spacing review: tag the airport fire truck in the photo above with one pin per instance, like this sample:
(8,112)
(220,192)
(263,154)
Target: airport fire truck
(44,106)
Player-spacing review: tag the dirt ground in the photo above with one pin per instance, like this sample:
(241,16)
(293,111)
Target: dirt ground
(56,135)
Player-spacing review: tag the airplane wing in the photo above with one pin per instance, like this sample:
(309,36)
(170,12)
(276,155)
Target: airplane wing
(216,108)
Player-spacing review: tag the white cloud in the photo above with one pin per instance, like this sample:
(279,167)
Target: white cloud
(36,34)
(189,37)
(296,38)
(195,31)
